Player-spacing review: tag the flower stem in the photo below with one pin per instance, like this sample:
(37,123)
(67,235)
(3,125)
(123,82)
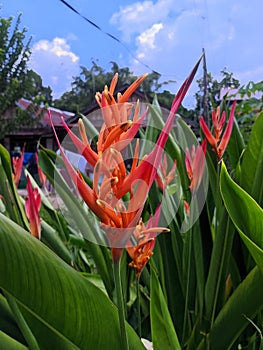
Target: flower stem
(139,307)
(186,307)
(120,304)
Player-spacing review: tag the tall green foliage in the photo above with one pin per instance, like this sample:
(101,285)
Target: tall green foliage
(203,286)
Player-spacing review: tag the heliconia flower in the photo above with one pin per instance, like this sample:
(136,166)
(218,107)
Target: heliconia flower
(108,93)
(147,169)
(32,206)
(194,163)
(112,180)
(145,237)
(164,180)
(217,142)
(42,176)
(17,163)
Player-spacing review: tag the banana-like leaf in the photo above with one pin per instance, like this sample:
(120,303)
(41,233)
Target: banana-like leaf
(245,302)
(9,343)
(80,218)
(163,332)
(8,324)
(246,215)
(235,145)
(252,162)
(61,307)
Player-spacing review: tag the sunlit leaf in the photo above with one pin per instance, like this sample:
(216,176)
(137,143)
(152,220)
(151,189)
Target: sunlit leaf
(62,308)
(246,215)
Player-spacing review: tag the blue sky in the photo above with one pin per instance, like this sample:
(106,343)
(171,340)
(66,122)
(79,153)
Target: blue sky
(166,35)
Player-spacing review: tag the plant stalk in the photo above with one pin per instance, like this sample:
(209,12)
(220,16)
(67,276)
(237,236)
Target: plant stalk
(187,287)
(139,308)
(120,304)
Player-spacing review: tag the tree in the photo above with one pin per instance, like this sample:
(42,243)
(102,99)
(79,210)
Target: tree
(16,81)
(85,86)
(34,89)
(213,88)
(14,55)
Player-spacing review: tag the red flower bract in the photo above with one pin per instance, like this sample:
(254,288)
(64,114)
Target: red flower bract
(218,146)
(112,181)
(32,205)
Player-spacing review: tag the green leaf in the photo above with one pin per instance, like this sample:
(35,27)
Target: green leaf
(236,145)
(246,215)
(163,332)
(62,308)
(246,301)
(252,162)
(80,218)
(10,343)
(219,263)
(50,237)
(7,322)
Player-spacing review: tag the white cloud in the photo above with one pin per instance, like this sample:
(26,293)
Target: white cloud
(140,16)
(56,63)
(227,30)
(147,38)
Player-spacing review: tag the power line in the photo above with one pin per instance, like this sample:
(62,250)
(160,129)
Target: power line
(113,37)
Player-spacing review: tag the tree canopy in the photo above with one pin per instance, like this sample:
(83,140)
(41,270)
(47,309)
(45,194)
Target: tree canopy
(85,86)
(16,80)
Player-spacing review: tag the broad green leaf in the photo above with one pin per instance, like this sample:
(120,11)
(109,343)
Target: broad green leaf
(51,238)
(246,301)
(186,137)
(62,308)
(7,322)
(80,219)
(218,266)
(9,343)
(235,145)
(163,332)
(246,215)
(251,178)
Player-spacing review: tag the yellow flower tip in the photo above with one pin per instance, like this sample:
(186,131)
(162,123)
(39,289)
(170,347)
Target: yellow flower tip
(114,83)
(119,96)
(110,212)
(155,230)
(125,126)
(82,132)
(113,152)
(114,180)
(100,203)
(98,98)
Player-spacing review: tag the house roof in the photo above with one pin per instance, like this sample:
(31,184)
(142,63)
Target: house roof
(137,94)
(232,94)
(56,114)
